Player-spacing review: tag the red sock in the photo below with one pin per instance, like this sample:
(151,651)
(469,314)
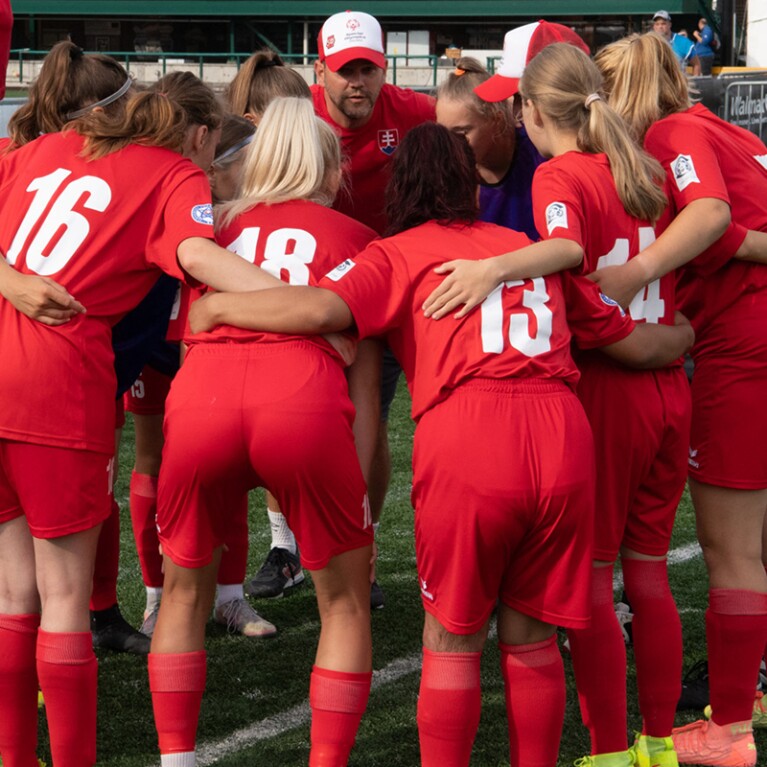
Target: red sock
(18,690)
(177,682)
(599,661)
(143,514)
(67,669)
(338,700)
(657,635)
(534,678)
(736,629)
(449,705)
(234,560)
(107,563)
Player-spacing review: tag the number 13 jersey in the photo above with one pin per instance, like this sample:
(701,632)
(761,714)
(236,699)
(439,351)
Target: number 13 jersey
(519,331)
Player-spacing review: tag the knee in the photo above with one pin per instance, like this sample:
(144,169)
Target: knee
(438,639)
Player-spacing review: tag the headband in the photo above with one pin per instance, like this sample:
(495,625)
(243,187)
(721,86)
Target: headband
(121,91)
(234,149)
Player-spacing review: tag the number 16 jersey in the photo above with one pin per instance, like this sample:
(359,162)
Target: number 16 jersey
(104,229)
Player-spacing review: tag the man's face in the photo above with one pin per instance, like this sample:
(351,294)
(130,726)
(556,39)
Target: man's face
(352,90)
(662,27)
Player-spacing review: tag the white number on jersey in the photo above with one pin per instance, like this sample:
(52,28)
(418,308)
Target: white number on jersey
(51,248)
(647,304)
(289,250)
(534,298)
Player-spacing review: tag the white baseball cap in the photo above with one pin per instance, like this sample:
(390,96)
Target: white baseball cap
(665,15)
(520,45)
(351,35)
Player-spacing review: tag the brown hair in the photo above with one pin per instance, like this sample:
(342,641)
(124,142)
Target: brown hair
(69,80)
(234,130)
(643,80)
(434,177)
(566,86)
(262,78)
(459,86)
(159,116)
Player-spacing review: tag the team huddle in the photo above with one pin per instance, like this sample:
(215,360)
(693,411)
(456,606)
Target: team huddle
(607,226)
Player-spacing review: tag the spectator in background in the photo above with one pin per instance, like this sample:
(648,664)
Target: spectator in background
(682,46)
(705,44)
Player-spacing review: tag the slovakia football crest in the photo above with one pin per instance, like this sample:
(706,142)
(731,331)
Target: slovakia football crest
(388,140)
(330,42)
(683,169)
(203,214)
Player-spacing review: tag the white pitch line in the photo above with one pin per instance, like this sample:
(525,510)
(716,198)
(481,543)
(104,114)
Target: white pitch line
(272,726)
(675,557)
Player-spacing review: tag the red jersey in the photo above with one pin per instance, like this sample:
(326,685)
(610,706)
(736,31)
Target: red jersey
(297,241)
(369,150)
(574,198)
(704,156)
(519,331)
(104,229)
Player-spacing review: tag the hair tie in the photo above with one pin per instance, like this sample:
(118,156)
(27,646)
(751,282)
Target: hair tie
(164,94)
(590,99)
(458,71)
(269,63)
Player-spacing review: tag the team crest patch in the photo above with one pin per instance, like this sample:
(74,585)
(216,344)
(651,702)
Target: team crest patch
(341,270)
(683,169)
(610,302)
(556,215)
(388,140)
(203,214)
(330,42)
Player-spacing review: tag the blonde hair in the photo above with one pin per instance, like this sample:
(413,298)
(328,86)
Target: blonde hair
(289,159)
(566,86)
(643,80)
(69,80)
(459,86)
(260,79)
(158,116)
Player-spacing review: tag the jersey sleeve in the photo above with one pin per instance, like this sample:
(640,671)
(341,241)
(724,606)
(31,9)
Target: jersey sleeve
(684,149)
(557,207)
(595,320)
(373,288)
(185,212)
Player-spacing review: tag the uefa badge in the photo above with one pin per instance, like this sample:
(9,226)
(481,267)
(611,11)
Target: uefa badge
(388,140)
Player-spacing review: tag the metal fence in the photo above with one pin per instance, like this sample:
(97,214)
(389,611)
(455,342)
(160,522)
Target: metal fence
(419,71)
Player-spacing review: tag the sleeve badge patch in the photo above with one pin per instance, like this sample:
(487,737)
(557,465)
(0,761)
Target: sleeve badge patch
(556,215)
(341,270)
(761,159)
(609,301)
(683,169)
(203,214)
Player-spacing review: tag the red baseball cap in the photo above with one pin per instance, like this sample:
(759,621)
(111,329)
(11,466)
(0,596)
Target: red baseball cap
(351,35)
(520,45)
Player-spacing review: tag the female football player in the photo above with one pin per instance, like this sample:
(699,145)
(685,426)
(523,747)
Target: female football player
(513,505)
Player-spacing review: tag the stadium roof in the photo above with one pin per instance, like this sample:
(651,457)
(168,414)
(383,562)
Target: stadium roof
(323,8)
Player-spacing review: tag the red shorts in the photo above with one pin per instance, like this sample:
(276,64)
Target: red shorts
(729,398)
(641,425)
(503,491)
(148,393)
(272,415)
(60,491)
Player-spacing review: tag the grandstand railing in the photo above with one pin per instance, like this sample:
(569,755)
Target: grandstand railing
(24,63)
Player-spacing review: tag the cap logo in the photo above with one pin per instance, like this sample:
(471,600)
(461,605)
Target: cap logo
(352,24)
(330,42)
